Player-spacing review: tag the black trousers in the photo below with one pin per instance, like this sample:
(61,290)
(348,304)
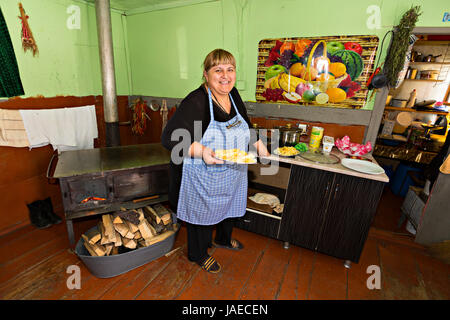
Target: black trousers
(199,238)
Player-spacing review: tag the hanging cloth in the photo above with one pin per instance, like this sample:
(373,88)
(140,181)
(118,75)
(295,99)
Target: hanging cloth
(10,83)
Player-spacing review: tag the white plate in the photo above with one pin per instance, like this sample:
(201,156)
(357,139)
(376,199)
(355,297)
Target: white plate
(250,155)
(277,152)
(363,166)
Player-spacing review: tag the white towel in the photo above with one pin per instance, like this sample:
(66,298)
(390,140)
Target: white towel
(65,129)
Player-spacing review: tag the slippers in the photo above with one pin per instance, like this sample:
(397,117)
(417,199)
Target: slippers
(211,265)
(235,245)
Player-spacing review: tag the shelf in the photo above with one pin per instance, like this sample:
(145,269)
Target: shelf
(414,110)
(425,63)
(429,80)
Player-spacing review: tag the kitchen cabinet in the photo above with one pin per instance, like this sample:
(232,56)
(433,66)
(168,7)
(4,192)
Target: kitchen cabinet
(327,208)
(329,212)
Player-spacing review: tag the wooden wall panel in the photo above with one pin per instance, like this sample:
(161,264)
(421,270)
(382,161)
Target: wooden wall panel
(23,179)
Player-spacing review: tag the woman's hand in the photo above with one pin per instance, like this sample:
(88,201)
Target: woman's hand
(261,149)
(209,156)
(197,150)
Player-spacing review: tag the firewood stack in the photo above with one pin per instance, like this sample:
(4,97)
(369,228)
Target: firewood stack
(129,229)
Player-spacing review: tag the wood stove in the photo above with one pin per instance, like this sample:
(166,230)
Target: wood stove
(101,180)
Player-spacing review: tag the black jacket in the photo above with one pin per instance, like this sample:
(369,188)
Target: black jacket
(195,107)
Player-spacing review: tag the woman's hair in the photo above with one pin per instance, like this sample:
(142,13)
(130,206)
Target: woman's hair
(216,57)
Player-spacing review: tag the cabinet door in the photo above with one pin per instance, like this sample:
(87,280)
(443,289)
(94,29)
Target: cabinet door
(352,206)
(305,206)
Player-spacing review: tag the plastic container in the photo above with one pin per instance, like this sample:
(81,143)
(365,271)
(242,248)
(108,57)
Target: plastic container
(328,143)
(111,266)
(401,181)
(316,138)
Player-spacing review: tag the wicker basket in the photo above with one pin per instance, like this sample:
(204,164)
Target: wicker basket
(325,84)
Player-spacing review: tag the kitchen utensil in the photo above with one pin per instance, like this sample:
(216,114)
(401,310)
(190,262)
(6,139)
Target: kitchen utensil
(419,57)
(431,58)
(362,166)
(289,136)
(402,121)
(424,103)
(429,74)
(319,157)
(400,103)
(292,152)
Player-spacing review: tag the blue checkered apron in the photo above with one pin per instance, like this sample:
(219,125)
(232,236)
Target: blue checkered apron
(212,193)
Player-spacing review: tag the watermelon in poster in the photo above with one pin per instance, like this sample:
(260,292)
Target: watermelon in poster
(328,71)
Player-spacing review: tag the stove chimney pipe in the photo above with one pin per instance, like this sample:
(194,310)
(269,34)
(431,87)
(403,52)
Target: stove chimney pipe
(105,44)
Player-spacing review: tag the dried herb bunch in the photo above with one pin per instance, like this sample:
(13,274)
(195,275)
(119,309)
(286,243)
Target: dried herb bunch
(395,58)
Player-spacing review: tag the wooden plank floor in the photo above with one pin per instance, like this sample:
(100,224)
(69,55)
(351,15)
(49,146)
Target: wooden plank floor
(33,265)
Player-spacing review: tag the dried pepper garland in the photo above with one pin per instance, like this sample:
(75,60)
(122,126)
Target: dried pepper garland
(28,41)
(139,122)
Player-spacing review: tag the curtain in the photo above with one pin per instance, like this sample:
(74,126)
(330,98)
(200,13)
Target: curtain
(10,84)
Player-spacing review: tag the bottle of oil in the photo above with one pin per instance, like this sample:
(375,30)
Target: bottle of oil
(412,99)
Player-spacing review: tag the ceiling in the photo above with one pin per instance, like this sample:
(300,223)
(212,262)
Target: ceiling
(130,7)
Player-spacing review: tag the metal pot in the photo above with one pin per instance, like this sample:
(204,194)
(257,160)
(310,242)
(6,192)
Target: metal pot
(431,58)
(289,136)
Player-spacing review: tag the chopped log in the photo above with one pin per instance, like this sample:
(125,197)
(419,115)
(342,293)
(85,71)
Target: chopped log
(146,229)
(115,250)
(150,213)
(101,228)
(118,241)
(89,247)
(158,238)
(108,248)
(116,218)
(129,215)
(163,213)
(122,228)
(95,249)
(137,235)
(93,235)
(129,235)
(129,243)
(154,219)
(110,232)
(141,214)
(133,227)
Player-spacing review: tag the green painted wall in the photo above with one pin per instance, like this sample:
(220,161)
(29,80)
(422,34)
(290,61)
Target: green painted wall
(167,47)
(160,53)
(68,62)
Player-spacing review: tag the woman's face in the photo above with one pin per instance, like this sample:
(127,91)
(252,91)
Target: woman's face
(221,78)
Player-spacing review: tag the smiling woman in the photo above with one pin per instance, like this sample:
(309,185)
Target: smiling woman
(203,190)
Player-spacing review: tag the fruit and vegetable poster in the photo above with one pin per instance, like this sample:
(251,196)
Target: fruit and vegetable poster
(327,71)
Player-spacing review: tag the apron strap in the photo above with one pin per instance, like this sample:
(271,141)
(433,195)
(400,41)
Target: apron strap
(211,112)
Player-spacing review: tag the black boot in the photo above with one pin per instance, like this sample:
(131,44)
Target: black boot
(47,207)
(38,217)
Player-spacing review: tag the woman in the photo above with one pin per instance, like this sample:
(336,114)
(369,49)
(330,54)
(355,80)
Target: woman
(204,191)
